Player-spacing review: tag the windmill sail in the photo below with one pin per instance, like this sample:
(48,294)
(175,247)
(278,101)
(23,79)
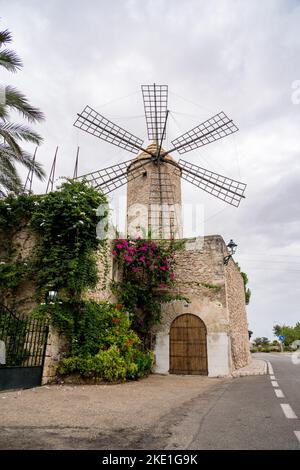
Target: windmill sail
(113,177)
(94,123)
(155,99)
(226,189)
(213,129)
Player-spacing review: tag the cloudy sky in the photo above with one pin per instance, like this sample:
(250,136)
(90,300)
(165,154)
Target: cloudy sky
(237,56)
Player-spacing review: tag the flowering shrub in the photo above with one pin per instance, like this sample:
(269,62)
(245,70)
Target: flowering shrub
(148,271)
(147,260)
(104,346)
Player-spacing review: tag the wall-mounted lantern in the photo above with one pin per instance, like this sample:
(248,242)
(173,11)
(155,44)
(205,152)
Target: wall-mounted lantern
(232,249)
(52,294)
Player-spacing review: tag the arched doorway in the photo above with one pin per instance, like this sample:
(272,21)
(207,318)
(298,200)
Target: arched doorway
(188,350)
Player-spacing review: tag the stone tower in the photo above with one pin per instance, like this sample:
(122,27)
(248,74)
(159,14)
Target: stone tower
(154,197)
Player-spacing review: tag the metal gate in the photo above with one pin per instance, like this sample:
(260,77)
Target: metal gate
(188,350)
(23,342)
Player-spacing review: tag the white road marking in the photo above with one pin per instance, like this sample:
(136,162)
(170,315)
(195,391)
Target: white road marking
(272,377)
(289,413)
(274,383)
(297,434)
(279,393)
(271,372)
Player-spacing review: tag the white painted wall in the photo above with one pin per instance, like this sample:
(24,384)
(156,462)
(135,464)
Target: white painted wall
(218,352)
(162,353)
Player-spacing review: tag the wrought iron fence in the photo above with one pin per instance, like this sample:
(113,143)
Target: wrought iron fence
(24,337)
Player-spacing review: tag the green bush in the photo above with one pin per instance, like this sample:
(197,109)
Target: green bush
(109,365)
(103,344)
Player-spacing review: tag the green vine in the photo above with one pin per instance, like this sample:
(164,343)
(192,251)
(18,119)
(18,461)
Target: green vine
(63,226)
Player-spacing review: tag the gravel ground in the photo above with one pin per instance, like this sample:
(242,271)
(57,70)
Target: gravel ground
(153,413)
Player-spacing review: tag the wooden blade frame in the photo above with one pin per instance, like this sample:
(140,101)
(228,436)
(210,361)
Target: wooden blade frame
(213,129)
(155,99)
(94,123)
(113,177)
(226,189)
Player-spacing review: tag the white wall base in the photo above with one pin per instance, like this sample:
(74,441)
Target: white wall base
(218,352)
(162,354)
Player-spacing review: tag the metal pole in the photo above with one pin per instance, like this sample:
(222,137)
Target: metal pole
(76,165)
(52,173)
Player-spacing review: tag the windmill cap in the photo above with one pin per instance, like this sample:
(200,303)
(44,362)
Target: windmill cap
(152,147)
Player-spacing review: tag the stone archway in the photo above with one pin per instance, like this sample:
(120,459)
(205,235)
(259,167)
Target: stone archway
(188,346)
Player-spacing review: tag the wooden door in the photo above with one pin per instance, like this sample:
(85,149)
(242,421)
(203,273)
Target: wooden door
(188,351)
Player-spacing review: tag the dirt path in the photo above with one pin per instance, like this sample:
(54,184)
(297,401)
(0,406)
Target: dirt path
(156,412)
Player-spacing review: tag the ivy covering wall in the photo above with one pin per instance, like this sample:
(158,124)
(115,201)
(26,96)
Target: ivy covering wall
(60,255)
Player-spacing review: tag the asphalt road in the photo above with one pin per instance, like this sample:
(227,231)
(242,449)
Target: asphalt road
(248,414)
(160,412)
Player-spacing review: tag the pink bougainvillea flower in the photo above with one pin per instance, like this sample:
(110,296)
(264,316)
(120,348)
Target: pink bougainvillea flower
(128,259)
(163,268)
(135,270)
(142,258)
(119,246)
(143,248)
(131,250)
(114,252)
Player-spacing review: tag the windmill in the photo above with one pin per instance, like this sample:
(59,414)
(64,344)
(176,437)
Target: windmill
(153,160)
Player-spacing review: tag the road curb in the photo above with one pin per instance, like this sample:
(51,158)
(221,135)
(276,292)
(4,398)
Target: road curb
(256,367)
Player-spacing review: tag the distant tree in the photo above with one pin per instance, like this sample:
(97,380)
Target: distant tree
(12,134)
(257,341)
(290,333)
(277,330)
(263,342)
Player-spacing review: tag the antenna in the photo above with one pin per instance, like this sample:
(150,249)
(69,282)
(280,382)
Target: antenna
(52,174)
(29,179)
(75,174)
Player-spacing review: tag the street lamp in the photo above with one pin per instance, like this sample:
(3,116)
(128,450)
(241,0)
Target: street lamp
(232,249)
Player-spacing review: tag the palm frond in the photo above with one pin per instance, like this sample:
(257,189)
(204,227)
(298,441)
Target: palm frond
(14,99)
(25,158)
(37,167)
(9,179)
(10,132)
(5,37)
(10,61)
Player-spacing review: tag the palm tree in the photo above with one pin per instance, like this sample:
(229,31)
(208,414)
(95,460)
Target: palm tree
(12,134)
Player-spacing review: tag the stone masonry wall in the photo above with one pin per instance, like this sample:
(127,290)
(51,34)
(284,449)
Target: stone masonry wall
(237,315)
(23,242)
(57,348)
(143,197)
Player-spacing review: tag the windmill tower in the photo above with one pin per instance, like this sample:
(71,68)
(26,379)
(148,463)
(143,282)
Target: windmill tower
(154,199)
(153,176)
